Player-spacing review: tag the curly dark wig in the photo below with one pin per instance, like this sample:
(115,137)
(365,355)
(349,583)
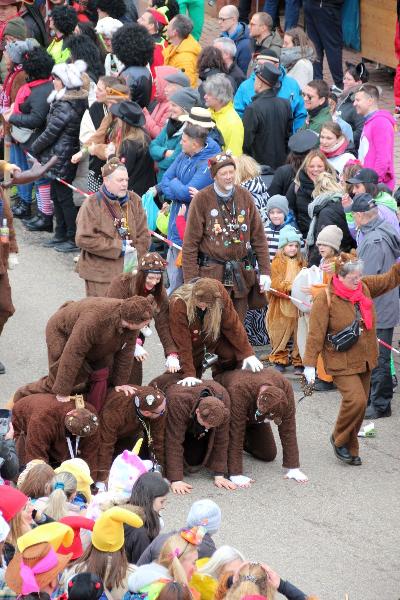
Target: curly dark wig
(83,48)
(114,8)
(133,45)
(87,8)
(89,30)
(172,6)
(65,19)
(37,64)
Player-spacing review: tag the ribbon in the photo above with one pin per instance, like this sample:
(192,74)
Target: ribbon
(29,583)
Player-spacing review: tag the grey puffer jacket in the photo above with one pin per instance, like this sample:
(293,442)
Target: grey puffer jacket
(61,135)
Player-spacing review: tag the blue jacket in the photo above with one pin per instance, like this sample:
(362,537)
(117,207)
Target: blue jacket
(244,45)
(158,146)
(290,90)
(186,171)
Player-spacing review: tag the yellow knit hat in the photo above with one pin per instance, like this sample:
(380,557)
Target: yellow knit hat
(80,470)
(56,534)
(108,531)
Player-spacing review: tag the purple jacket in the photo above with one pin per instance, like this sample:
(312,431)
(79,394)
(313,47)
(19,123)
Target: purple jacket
(376,149)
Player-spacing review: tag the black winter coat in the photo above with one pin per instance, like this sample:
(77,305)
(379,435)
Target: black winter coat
(10,467)
(268,122)
(35,25)
(237,74)
(140,84)
(282,180)
(136,541)
(34,111)
(345,109)
(205,74)
(61,135)
(299,199)
(139,164)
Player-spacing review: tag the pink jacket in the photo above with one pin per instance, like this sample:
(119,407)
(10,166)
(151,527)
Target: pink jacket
(156,120)
(376,149)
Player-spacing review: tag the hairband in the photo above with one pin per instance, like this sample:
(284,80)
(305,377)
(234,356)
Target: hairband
(194,535)
(113,92)
(59,485)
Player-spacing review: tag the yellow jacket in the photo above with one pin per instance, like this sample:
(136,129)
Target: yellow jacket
(184,57)
(230,125)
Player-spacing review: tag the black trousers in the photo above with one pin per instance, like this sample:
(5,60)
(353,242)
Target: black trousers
(244,10)
(324,27)
(65,210)
(381,391)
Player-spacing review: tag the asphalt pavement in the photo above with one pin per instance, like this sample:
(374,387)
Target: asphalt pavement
(337,534)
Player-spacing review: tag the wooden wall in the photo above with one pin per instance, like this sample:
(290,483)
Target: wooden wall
(378,25)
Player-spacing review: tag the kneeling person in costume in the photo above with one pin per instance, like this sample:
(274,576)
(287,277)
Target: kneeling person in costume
(257,399)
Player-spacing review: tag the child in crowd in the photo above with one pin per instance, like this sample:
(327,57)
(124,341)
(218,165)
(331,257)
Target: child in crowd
(278,216)
(282,315)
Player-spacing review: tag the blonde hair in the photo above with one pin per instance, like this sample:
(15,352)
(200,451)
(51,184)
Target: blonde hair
(17,527)
(251,580)
(62,488)
(306,163)
(246,168)
(173,551)
(212,318)
(326,183)
(131,133)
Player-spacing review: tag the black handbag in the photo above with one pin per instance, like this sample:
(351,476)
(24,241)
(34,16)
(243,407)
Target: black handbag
(345,339)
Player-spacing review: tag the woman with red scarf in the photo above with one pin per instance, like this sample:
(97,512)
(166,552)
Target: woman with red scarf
(348,297)
(335,146)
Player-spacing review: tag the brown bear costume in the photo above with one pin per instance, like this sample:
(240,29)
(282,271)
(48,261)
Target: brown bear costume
(122,424)
(42,426)
(88,347)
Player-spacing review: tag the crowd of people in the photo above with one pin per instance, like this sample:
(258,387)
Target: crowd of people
(228,193)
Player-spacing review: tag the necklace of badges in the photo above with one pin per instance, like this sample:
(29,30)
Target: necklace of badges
(227,225)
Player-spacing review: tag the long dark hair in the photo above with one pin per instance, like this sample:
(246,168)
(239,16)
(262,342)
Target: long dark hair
(295,160)
(148,487)
(211,58)
(156,292)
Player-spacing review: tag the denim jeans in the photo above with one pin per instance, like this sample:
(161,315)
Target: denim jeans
(292,10)
(18,157)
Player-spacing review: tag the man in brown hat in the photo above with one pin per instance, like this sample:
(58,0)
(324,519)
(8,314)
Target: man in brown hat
(224,236)
(256,400)
(126,419)
(54,431)
(197,432)
(111,230)
(90,345)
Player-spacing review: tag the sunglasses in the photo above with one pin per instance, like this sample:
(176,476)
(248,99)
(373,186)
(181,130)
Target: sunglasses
(308,96)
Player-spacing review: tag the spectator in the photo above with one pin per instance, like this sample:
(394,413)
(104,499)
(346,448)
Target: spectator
(316,94)
(262,34)
(292,10)
(155,23)
(354,77)
(63,21)
(14,31)
(61,138)
(17,511)
(8,456)
(268,120)
(334,145)
(344,126)
(134,47)
(376,149)
(230,27)
(86,11)
(165,148)
(219,99)
(248,175)
(228,50)
(211,63)
(82,47)
(105,29)
(171,7)
(288,88)
(34,479)
(116,9)
(195,10)
(396,86)
(297,55)
(61,493)
(188,173)
(176,82)
(277,217)
(158,114)
(183,50)
(323,22)
(34,23)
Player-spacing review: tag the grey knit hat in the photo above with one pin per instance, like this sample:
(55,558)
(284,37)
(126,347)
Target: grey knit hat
(16,50)
(186,98)
(331,236)
(204,513)
(279,202)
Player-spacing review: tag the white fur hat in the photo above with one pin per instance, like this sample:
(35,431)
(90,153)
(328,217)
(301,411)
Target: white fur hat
(70,73)
(108,26)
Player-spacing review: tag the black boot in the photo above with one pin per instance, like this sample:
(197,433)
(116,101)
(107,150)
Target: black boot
(31,220)
(341,452)
(44,223)
(2,369)
(22,211)
(54,241)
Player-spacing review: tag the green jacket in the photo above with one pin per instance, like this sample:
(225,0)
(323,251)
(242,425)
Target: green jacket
(315,123)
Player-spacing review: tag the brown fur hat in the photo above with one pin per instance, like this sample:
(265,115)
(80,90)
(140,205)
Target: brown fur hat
(112,165)
(213,411)
(81,422)
(220,161)
(148,397)
(272,402)
(137,309)
(206,290)
(152,262)
(344,258)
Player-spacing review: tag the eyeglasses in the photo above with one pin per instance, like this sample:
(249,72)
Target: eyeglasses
(225,19)
(308,96)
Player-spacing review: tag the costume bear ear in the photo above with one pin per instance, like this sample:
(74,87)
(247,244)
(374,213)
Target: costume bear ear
(137,402)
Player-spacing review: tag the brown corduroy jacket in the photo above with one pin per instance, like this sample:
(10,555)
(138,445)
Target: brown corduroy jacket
(325,319)
(243,388)
(200,237)
(40,432)
(123,286)
(101,256)
(190,340)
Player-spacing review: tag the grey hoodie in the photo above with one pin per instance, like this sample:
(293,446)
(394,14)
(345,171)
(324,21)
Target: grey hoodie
(380,249)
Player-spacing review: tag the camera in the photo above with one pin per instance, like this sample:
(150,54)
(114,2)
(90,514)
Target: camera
(209,359)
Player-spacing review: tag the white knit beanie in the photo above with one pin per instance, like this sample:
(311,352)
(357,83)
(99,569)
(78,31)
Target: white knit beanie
(70,73)
(331,236)
(206,513)
(108,26)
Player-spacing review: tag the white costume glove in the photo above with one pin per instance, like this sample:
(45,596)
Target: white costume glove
(297,475)
(252,363)
(189,381)
(140,352)
(309,374)
(172,363)
(265,283)
(101,486)
(146,331)
(128,247)
(241,480)
(12,260)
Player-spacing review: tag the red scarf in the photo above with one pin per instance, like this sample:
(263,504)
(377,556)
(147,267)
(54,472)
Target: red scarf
(354,296)
(5,95)
(25,91)
(336,150)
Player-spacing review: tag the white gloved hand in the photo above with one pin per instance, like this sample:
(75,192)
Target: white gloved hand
(101,486)
(189,381)
(309,374)
(297,475)
(252,363)
(128,247)
(265,283)
(12,260)
(241,480)
(140,353)
(172,364)
(146,331)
